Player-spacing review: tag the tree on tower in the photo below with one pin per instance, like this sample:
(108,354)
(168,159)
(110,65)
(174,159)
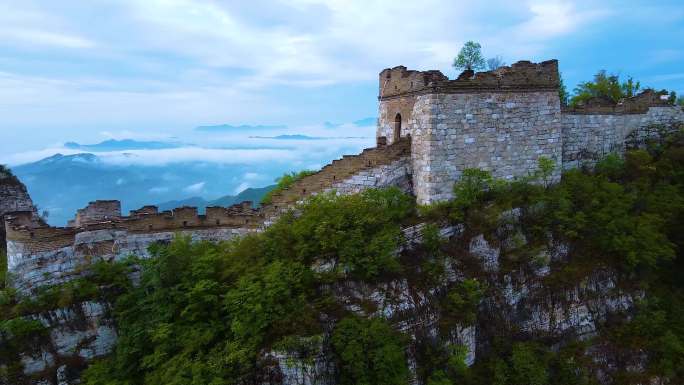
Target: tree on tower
(470,57)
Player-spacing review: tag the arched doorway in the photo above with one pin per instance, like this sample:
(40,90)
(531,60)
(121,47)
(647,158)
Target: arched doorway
(397,128)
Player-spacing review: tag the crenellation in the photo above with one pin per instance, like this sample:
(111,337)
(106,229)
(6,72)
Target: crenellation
(504,121)
(97,211)
(41,255)
(145,210)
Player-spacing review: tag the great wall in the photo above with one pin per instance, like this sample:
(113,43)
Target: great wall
(430,129)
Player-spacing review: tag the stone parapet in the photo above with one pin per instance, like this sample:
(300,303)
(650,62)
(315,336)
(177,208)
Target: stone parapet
(40,237)
(638,104)
(588,137)
(521,76)
(337,172)
(97,211)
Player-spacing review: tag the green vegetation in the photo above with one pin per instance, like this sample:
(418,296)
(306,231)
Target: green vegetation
(606,86)
(5,171)
(673,99)
(469,57)
(206,313)
(203,313)
(563,91)
(370,352)
(284,182)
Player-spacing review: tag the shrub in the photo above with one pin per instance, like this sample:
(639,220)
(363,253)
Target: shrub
(369,352)
(362,232)
(607,86)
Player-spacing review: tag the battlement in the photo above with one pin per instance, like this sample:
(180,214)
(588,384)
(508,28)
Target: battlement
(37,237)
(638,104)
(97,211)
(338,171)
(430,129)
(521,76)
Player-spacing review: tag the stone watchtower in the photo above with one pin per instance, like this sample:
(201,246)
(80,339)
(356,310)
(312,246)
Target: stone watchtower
(501,121)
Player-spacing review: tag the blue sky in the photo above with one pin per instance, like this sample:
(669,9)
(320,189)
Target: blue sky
(150,69)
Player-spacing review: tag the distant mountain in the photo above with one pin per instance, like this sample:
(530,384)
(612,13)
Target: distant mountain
(244,127)
(250,194)
(61,184)
(59,160)
(198,202)
(121,145)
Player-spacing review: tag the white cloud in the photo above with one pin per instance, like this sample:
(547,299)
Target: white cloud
(195,188)
(196,154)
(241,187)
(232,150)
(45,38)
(28,25)
(161,63)
(251,176)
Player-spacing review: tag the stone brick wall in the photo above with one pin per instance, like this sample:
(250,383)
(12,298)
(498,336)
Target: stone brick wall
(592,134)
(338,171)
(502,132)
(13,198)
(397,173)
(501,121)
(388,112)
(98,211)
(31,268)
(40,255)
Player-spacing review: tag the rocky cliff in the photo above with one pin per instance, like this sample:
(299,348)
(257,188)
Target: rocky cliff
(13,198)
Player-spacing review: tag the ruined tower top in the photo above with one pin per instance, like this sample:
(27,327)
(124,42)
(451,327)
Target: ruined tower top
(520,76)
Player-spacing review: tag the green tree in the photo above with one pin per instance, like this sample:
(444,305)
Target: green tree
(461,302)
(369,352)
(545,167)
(470,57)
(360,232)
(528,365)
(672,98)
(563,91)
(607,86)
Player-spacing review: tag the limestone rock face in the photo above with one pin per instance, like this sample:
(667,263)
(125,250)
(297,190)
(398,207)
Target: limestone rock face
(13,197)
(33,269)
(75,335)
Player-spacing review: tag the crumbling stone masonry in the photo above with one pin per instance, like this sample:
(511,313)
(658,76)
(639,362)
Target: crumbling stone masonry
(593,131)
(40,255)
(430,129)
(503,121)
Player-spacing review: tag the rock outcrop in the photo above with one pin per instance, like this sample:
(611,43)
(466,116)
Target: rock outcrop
(13,198)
